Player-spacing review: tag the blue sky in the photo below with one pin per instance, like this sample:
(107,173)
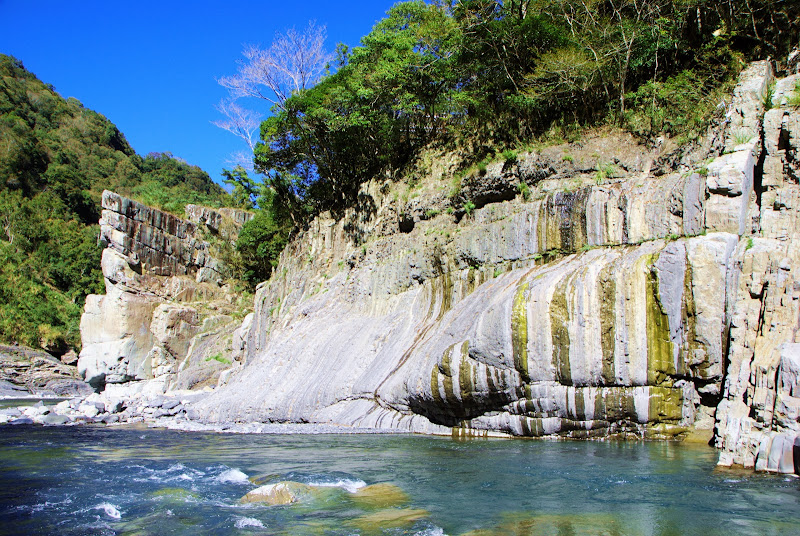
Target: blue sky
(151,66)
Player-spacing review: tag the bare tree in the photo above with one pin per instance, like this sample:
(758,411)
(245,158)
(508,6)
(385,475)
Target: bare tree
(239,121)
(295,61)
(242,159)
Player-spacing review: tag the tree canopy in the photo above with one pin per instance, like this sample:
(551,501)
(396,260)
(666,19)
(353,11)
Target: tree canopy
(492,74)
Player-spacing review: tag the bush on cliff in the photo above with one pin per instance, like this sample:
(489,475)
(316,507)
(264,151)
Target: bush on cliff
(259,245)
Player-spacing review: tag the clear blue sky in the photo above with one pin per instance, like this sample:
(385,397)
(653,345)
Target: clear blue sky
(151,66)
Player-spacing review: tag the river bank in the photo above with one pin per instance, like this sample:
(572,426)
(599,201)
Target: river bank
(143,404)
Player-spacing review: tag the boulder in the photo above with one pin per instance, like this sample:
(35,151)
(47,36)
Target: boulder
(70,358)
(21,420)
(170,403)
(88,410)
(69,388)
(55,419)
(279,493)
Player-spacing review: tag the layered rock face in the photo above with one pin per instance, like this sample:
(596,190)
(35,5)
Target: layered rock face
(26,371)
(163,295)
(758,417)
(163,244)
(595,289)
(600,303)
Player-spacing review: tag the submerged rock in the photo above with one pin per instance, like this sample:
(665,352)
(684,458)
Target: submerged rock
(175,494)
(377,522)
(548,524)
(279,493)
(379,496)
(260,480)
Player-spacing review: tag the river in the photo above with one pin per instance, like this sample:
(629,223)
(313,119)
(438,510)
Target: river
(94,480)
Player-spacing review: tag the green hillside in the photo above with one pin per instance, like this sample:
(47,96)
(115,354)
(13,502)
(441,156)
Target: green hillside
(56,157)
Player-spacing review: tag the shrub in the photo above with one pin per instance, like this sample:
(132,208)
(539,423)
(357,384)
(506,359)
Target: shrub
(794,98)
(218,357)
(679,106)
(742,136)
(455,186)
(509,156)
(525,190)
(260,243)
(604,171)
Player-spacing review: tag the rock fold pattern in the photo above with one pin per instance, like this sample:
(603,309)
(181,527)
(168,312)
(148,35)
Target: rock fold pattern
(648,302)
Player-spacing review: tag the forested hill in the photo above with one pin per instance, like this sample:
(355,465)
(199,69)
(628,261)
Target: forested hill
(56,157)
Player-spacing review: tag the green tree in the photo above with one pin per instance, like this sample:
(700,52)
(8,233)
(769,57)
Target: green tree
(245,189)
(390,97)
(260,243)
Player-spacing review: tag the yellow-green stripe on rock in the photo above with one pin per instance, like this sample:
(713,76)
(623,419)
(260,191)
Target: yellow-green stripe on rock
(519,331)
(660,361)
(559,320)
(607,290)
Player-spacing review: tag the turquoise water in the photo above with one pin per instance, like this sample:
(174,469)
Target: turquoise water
(29,401)
(95,480)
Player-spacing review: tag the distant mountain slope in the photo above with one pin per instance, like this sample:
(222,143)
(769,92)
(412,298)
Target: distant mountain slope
(56,157)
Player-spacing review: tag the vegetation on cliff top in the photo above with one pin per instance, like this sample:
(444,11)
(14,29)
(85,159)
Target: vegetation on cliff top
(486,76)
(56,157)
(480,79)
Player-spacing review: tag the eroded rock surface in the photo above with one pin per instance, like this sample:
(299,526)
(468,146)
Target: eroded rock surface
(757,419)
(600,303)
(163,297)
(28,372)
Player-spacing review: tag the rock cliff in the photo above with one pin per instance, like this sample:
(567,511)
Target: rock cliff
(164,307)
(591,289)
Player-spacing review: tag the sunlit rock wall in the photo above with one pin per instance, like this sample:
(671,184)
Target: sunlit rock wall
(758,417)
(160,276)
